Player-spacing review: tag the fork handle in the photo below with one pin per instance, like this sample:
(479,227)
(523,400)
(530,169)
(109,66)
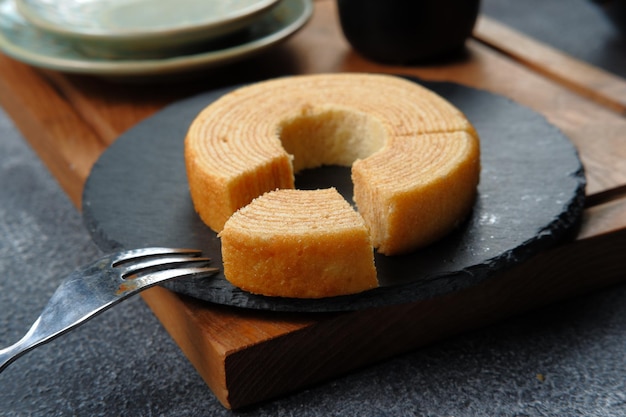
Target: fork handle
(25,344)
(55,322)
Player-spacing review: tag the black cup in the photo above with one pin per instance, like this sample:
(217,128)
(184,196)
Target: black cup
(408,31)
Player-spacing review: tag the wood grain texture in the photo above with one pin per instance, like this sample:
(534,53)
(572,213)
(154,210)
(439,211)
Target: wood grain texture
(247,357)
(605,218)
(593,82)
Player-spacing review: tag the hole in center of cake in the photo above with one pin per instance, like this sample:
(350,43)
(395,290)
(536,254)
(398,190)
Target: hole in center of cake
(330,136)
(327,176)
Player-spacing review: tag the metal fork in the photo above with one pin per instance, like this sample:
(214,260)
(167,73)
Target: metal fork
(100,285)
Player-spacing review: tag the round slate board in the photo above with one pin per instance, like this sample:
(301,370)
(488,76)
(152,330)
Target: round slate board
(530,197)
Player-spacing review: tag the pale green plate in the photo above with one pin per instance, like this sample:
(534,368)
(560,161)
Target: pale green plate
(146,28)
(25,43)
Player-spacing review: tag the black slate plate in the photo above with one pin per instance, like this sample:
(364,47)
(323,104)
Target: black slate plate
(530,197)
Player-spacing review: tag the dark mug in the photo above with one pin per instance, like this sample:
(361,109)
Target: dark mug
(408,31)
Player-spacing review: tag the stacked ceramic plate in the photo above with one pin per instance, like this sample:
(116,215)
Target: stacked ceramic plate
(144,37)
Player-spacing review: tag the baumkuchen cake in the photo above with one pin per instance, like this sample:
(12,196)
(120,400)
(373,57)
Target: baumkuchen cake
(306,244)
(415,157)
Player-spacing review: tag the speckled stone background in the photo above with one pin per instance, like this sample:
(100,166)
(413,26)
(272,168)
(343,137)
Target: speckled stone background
(568,359)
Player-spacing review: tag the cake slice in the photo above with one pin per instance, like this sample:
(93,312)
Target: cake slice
(297,243)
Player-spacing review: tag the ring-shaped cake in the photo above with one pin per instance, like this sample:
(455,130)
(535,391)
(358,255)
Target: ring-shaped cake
(415,162)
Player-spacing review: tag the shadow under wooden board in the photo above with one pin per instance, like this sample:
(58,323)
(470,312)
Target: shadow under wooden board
(530,197)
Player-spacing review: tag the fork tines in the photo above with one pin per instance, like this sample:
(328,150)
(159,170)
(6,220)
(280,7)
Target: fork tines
(165,263)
